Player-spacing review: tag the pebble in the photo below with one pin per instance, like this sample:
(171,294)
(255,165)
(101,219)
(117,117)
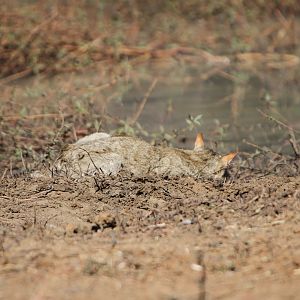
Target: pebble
(297,272)
(187,222)
(196,267)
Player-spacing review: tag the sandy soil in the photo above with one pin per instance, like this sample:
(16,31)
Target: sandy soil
(149,238)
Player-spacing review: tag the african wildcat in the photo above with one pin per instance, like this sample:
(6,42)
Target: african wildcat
(108,155)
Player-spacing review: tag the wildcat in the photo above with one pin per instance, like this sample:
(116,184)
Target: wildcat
(108,155)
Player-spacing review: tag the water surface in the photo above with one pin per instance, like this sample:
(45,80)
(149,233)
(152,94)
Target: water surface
(230,109)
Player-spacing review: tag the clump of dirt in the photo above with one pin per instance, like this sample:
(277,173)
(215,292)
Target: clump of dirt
(151,238)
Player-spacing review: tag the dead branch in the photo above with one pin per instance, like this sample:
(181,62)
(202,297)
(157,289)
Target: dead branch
(138,112)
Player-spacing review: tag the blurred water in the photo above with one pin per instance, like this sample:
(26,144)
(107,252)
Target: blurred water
(229,108)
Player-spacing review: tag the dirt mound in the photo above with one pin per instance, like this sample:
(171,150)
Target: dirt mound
(133,238)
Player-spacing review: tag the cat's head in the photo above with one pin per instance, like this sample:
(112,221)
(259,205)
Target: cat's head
(217,164)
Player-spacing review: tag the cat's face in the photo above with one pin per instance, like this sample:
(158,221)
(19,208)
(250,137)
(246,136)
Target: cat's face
(217,167)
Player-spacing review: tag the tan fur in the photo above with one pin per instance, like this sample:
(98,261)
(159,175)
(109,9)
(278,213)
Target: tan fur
(108,155)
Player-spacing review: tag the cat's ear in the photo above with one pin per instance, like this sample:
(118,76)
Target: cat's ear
(226,159)
(199,143)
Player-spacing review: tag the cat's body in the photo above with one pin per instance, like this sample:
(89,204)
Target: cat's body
(109,155)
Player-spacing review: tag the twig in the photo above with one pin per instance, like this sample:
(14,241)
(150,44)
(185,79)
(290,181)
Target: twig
(60,128)
(291,130)
(210,73)
(107,84)
(268,150)
(98,169)
(97,185)
(52,217)
(226,75)
(34,216)
(23,162)
(293,143)
(158,226)
(4,173)
(11,168)
(75,134)
(16,76)
(277,121)
(137,114)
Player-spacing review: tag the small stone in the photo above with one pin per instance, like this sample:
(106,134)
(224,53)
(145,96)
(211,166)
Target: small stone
(121,265)
(196,267)
(160,225)
(187,222)
(278,222)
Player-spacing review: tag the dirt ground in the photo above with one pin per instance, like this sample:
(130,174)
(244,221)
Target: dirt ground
(150,238)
